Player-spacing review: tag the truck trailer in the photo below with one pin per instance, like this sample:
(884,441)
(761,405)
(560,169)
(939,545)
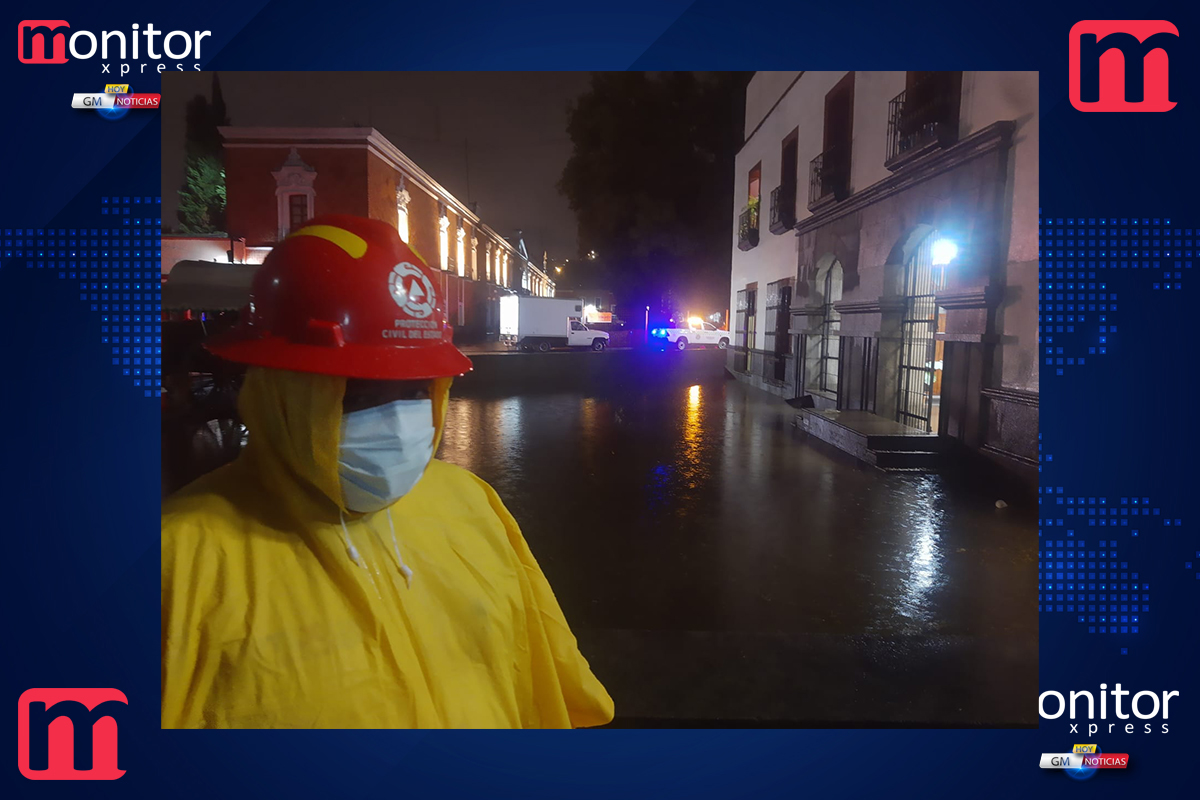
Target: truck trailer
(542,323)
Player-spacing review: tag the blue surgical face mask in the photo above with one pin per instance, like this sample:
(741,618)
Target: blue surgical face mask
(384,451)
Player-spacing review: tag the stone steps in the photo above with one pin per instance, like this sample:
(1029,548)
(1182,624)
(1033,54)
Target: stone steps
(883,443)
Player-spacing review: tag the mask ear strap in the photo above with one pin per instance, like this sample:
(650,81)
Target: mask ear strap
(404,568)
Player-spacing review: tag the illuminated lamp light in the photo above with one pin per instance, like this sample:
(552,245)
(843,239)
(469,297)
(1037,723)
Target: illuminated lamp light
(944,251)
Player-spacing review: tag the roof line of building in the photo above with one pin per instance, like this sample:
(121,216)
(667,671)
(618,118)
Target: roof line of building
(369,139)
(771,110)
(333,138)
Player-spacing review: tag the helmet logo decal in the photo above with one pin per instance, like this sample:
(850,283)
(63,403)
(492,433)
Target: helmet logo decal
(412,290)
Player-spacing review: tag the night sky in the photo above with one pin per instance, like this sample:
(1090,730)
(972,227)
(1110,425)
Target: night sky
(496,138)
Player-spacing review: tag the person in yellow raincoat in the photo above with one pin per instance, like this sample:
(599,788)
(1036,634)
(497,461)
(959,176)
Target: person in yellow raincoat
(336,575)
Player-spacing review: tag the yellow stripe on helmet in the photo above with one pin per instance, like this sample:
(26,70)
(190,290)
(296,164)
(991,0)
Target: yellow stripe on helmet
(354,245)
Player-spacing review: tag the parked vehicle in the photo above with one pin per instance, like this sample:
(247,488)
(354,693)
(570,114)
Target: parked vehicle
(542,323)
(698,332)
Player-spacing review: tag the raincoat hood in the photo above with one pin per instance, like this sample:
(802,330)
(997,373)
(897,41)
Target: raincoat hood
(281,609)
(294,419)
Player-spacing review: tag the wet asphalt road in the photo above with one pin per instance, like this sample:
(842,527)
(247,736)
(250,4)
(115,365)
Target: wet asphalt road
(719,569)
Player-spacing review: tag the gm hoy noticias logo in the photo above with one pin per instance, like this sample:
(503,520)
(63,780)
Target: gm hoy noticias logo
(1083,761)
(1122,65)
(120,53)
(70,734)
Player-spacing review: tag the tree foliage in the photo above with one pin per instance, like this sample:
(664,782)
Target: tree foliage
(651,181)
(202,196)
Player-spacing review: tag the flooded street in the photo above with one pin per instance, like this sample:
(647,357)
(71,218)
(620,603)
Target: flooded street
(719,568)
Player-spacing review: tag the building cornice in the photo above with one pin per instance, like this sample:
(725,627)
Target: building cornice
(1018,396)
(368,139)
(878,306)
(975,297)
(375,143)
(993,138)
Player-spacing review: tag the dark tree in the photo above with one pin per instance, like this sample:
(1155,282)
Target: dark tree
(651,182)
(202,196)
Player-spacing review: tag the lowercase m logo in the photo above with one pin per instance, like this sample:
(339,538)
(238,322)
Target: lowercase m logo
(69,734)
(1122,64)
(40,42)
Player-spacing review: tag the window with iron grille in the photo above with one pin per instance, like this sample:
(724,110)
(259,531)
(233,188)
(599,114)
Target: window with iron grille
(740,358)
(831,324)
(778,339)
(925,114)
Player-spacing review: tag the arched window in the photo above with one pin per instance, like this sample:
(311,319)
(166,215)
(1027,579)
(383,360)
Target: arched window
(831,323)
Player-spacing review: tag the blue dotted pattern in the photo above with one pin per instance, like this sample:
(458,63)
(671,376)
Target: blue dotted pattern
(1092,578)
(1095,582)
(1077,310)
(116,267)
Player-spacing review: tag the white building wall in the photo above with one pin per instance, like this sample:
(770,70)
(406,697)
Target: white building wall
(778,103)
(762,93)
(775,256)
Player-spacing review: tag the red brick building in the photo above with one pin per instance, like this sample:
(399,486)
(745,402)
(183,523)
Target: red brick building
(278,178)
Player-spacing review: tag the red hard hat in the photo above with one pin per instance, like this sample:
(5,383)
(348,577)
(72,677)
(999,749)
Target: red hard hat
(345,296)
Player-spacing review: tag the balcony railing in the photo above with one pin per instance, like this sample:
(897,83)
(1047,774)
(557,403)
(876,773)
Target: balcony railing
(828,177)
(921,119)
(783,208)
(748,228)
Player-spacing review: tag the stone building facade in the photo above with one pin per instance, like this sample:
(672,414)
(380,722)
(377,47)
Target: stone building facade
(885,251)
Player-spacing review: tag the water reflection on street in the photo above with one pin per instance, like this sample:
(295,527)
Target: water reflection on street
(700,509)
(700,505)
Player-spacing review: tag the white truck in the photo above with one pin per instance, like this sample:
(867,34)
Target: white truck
(541,323)
(697,332)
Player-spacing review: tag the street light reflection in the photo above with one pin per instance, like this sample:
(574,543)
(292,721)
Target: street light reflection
(924,556)
(690,466)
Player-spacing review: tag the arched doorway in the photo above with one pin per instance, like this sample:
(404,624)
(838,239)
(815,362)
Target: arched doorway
(920,351)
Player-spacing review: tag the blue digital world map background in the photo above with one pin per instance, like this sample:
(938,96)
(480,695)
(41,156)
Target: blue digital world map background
(1119,568)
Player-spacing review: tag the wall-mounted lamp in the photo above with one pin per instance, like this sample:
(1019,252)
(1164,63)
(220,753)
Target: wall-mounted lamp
(944,251)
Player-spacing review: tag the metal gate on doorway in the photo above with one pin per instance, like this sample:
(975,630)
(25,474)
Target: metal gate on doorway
(918,350)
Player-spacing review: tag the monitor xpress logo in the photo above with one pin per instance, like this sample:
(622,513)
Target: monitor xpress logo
(53,41)
(1122,65)
(70,734)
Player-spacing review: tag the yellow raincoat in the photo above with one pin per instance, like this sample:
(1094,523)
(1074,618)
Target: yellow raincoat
(267,622)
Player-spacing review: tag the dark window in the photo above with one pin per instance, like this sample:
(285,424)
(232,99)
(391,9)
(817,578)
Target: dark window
(778,338)
(829,173)
(741,357)
(783,198)
(297,211)
(789,160)
(748,219)
(839,124)
(925,114)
